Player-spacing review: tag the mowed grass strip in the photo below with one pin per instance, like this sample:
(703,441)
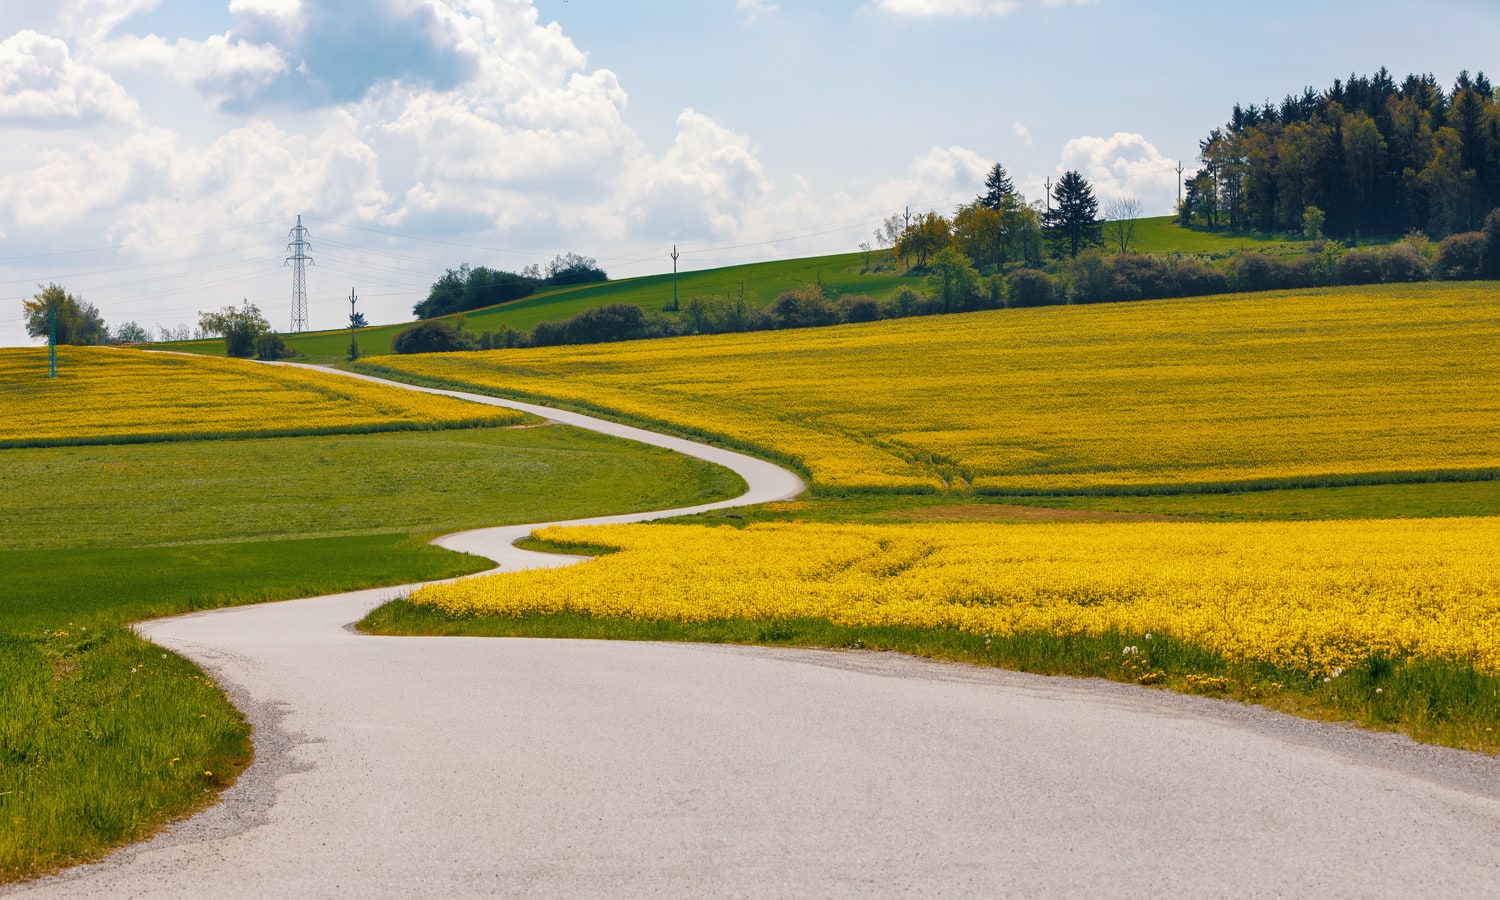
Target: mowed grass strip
(105,395)
(1303,388)
(104,739)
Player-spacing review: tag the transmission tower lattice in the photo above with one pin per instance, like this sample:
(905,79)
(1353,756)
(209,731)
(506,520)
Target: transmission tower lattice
(299,261)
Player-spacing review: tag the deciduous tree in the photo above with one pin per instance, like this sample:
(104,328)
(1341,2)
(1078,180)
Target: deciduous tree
(77,321)
(1119,222)
(239,326)
(924,237)
(952,279)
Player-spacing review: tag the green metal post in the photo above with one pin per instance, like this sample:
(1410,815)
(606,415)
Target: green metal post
(52,343)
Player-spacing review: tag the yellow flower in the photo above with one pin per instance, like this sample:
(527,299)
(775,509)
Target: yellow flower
(1316,597)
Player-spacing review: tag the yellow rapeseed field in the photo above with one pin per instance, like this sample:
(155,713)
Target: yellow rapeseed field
(1310,596)
(104,395)
(1339,385)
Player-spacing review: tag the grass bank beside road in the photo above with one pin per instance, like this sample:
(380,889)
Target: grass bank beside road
(104,737)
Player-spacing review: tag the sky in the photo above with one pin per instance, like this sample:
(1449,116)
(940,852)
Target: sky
(154,154)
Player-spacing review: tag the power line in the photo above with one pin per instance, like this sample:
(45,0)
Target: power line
(133,244)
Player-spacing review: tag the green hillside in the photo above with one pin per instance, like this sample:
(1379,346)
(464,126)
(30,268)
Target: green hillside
(840,275)
(763,282)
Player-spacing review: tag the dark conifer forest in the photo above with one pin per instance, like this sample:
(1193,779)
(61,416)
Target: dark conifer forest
(1366,156)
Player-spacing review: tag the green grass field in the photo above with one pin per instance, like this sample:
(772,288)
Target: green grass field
(105,738)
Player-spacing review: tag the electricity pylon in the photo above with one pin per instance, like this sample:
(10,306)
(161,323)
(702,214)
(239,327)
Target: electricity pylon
(299,261)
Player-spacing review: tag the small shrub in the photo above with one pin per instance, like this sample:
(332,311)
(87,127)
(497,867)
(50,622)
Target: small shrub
(1460,257)
(803,308)
(549,334)
(1298,271)
(1255,272)
(1092,280)
(861,309)
(431,336)
(1360,267)
(905,302)
(602,324)
(1029,287)
(1195,278)
(271,346)
(1403,263)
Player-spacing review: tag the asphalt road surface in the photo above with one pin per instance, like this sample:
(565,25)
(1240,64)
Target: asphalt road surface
(441,767)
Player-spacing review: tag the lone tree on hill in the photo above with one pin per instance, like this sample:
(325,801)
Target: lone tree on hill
(1073,222)
(1119,222)
(239,326)
(78,321)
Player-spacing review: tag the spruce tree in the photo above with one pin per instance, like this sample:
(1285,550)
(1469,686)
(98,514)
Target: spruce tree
(1073,222)
(999,190)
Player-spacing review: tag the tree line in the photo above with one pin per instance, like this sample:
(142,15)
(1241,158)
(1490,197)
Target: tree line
(1365,156)
(463,289)
(1000,228)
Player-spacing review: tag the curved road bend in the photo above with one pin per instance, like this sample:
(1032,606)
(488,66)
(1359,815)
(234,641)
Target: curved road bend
(441,767)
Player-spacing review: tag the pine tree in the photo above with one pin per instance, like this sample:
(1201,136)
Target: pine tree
(1073,222)
(999,190)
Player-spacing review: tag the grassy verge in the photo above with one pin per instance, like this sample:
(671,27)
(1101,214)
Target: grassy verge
(104,739)
(1435,702)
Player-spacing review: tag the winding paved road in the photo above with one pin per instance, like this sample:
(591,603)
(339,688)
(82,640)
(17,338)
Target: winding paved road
(416,767)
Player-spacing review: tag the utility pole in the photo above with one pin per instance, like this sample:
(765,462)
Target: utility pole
(353,344)
(1049,193)
(908,217)
(1180,170)
(674,277)
(299,261)
(52,342)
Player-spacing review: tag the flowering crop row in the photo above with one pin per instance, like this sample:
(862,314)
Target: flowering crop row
(1311,596)
(1341,385)
(105,395)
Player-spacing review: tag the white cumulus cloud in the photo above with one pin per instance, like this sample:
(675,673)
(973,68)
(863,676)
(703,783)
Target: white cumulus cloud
(221,67)
(704,186)
(1124,165)
(41,83)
